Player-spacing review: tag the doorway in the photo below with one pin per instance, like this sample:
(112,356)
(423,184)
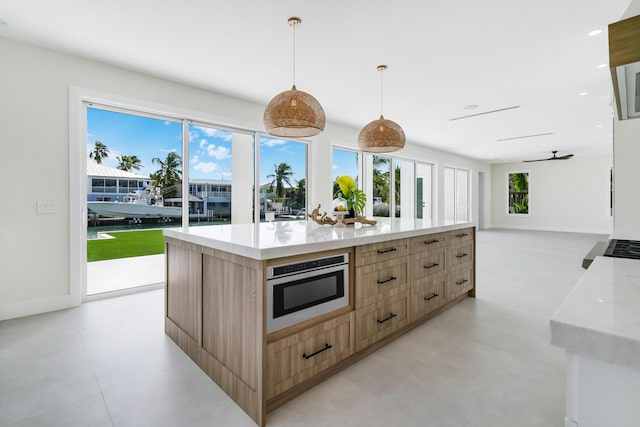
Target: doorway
(134,167)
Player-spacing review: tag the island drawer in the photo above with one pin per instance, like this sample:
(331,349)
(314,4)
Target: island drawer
(427,294)
(460,254)
(427,242)
(428,263)
(377,252)
(460,236)
(459,281)
(300,356)
(381,319)
(377,282)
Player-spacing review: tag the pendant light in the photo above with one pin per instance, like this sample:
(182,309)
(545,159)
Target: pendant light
(382,135)
(294,113)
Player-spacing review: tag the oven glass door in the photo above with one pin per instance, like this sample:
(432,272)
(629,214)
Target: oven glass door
(302,291)
(307,290)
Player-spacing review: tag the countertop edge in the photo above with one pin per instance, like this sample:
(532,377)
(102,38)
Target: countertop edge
(262,254)
(572,328)
(610,348)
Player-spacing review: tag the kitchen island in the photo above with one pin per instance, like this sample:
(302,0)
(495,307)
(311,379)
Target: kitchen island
(221,303)
(598,325)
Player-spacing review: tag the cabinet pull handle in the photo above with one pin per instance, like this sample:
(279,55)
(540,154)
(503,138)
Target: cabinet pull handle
(460,282)
(462,235)
(384,251)
(391,316)
(380,282)
(462,255)
(326,347)
(431,297)
(435,264)
(430,242)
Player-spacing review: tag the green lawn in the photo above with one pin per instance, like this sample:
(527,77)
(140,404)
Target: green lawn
(126,244)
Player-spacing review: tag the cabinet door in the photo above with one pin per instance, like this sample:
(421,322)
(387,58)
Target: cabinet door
(296,358)
(459,281)
(383,251)
(460,253)
(184,289)
(381,319)
(427,263)
(427,294)
(376,282)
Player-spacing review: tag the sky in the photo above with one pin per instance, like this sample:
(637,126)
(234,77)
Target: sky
(210,149)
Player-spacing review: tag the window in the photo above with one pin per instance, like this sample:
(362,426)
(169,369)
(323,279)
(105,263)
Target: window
(110,186)
(404,173)
(423,189)
(345,162)
(97,185)
(283,179)
(210,157)
(456,195)
(518,193)
(381,186)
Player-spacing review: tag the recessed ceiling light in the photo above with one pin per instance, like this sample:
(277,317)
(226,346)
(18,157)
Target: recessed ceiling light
(584,93)
(470,107)
(598,126)
(602,66)
(594,33)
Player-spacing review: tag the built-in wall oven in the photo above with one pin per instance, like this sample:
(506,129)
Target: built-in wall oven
(306,289)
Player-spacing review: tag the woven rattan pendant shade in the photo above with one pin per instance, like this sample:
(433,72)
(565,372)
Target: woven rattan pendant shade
(294,113)
(382,135)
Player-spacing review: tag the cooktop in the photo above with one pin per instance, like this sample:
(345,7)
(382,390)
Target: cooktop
(623,249)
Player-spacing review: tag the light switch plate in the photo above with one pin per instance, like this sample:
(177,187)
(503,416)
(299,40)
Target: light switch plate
(46,207)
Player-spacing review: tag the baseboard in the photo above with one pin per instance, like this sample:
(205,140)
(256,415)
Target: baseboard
(607,231)
(28,308)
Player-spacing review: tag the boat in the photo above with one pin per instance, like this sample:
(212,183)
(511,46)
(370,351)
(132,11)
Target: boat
(139,204)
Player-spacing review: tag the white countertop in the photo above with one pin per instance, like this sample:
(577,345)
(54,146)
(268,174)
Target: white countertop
(600,317)
(269,240)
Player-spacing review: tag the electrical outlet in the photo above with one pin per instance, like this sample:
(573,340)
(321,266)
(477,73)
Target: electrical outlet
(46,207)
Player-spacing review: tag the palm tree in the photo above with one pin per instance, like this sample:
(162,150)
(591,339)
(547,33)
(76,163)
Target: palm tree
(282,174)
(99,152)
(169,172)
(381,177)
(126,163)
(300,193)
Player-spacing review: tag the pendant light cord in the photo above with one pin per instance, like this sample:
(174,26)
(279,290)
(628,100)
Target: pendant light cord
(294,54)
(381,92)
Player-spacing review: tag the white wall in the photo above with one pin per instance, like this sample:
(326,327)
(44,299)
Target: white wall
(38,260)
(564,195)
(626,149)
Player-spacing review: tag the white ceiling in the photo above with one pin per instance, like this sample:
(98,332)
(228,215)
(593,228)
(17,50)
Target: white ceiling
(442,55)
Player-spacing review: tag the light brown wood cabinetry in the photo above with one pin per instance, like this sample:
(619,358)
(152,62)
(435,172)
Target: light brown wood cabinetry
(428,262)
(377,282)
(459,281)
(216,312)
(184,289)
(428,242)
(380,319)
(427,294)
(377,252)
(300,356)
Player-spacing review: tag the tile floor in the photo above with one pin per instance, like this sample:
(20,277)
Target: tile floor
(485,362)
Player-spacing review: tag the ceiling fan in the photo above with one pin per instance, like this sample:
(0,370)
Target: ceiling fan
(565,157)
